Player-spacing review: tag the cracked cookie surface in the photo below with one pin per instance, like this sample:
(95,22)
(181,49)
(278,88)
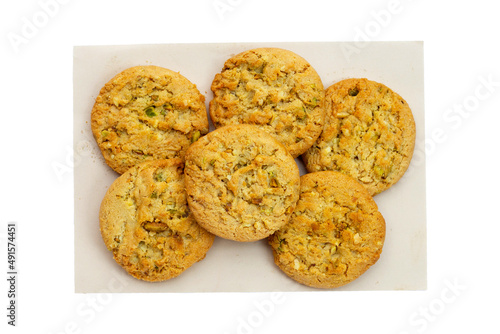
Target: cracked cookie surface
(272,88)
(334,235)
(242,184)
(369,134)
(146,113)
(146,222)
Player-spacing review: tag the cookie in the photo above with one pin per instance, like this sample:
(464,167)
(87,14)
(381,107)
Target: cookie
(242,184)
(146,113)
(369,134)
(272,88)
(334,235)
(146,222)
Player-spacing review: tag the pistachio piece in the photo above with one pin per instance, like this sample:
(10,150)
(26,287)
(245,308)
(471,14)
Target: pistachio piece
(256,200)
(196,136)
(159,177)
(381,172)
(139,152)
(353,91)
(155,226)
(301,113)
(273,182)
(150,111)
(267,210)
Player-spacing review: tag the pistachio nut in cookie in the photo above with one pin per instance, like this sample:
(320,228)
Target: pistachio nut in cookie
(242,184)
(146,223)
(274,89)
(334,235)
(146,113)
(369,134)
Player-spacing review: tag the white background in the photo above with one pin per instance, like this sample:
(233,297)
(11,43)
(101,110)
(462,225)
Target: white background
(462,55)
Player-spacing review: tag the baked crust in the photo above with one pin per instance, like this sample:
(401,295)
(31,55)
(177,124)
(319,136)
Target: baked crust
(369,134)
(334,235)
(242,184)
(146,113)
(146,222)
(272,88)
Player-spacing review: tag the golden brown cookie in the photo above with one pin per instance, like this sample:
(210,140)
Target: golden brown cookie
(369,134)
(335,234)
(146,222)
(272,88)
(242,184)
(146,113)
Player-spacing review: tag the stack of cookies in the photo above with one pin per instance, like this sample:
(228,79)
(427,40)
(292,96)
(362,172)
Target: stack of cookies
(181,185)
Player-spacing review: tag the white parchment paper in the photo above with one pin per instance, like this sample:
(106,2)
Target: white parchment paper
(248,267)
